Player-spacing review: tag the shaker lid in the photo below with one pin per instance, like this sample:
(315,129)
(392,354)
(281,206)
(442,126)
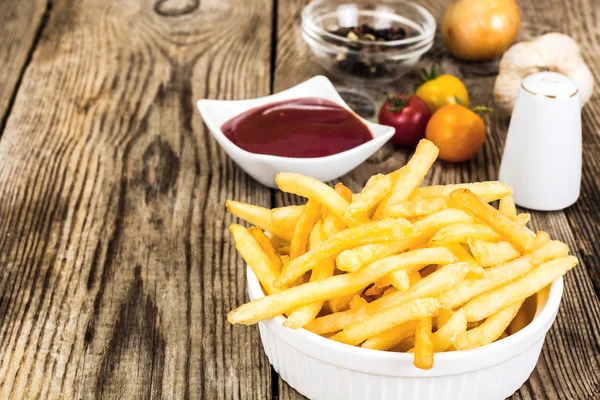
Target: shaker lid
(550,84)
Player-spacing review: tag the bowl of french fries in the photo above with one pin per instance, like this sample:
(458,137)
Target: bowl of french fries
(401,290)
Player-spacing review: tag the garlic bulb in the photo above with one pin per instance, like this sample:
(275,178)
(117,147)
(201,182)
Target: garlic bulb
(550,52)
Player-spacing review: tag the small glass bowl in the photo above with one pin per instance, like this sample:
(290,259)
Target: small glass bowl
(365,60)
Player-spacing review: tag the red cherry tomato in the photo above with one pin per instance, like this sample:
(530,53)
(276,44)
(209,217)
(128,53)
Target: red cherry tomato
(408,115)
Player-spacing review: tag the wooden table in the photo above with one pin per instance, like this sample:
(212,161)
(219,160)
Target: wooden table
(116,265)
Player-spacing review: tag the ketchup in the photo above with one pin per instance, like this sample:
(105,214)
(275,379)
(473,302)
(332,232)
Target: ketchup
(298,128)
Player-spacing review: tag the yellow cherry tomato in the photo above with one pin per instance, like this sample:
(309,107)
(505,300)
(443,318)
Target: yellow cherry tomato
(439,91)
(457,131)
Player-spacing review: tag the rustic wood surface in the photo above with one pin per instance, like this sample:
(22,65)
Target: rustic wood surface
(116,266)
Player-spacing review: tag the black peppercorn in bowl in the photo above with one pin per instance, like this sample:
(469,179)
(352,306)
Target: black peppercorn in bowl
(370,41)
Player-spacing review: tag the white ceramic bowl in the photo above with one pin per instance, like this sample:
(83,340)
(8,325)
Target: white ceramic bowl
(320,368)
(263,167)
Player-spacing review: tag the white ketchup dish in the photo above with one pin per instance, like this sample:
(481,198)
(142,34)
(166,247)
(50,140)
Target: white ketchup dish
(264,167)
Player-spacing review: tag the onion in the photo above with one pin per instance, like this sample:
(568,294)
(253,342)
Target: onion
(480,29)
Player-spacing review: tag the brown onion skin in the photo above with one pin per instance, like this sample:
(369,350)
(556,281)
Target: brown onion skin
(476,30)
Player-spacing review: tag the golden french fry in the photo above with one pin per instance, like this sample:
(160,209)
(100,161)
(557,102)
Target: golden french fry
(443,316)
(502,274)
(423,344)
(415,195)
(461,233)
(442,338)
(285,258)
(389,291)
(344,191)
(317,235)
(416,208)
(313,189)
(391,337)
(376,187)
(398,279)
(486,191)
(489,303)
(524,316)
(414,277)
(278,242)
(375,291)
(540,239)
(548,251)
(507,207)
(342,303)
(258,216)
(267,246)
(439,281)
(284,219)
(386,319)
(491,329)
(352,260)
(278,303)
(255,256)
(357,301)
(489,254)
(519,236)
(463,255)
(309,217)
(356,258)
(522,219)
(409,177)
(303,315)
(388,230)
(333,224)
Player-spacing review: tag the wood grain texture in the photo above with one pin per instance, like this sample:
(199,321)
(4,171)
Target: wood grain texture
(569,367)
(116,265)
(20,24)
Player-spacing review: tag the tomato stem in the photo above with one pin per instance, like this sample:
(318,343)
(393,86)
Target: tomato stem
(396,103)
(429,75)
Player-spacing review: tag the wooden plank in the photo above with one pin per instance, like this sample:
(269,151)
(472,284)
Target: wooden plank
(117,266)
(568,365)
(20,23)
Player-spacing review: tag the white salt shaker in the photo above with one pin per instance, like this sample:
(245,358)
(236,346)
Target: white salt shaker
(542,155)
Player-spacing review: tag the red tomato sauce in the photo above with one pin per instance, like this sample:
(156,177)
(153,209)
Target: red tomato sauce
(299,128)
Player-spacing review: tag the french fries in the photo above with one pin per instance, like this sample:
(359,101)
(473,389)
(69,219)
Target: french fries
(257,216)
(442,338)
(391,337)
(255,256)
(375,189)
(423,344)
(519,236)
(461,233)
(305,224)
(491,329)
(396,315)
(284,219)
(488,303)
(486,191)
(488,254)
(409,177)
(437,282)
(416,208)
(314,189)
(267,246)
(397,267)
(307,313)
(379,231)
